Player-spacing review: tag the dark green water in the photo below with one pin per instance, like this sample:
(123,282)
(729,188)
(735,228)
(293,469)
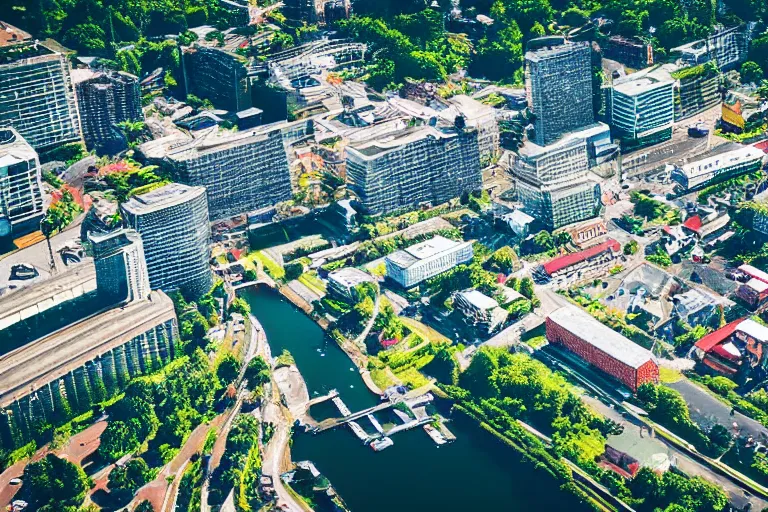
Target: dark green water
(475,473)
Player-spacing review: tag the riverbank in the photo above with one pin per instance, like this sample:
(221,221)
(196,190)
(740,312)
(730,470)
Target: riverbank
(352,350)
(468,474)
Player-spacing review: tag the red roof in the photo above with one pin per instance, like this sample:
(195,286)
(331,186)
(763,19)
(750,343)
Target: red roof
(708,342)
(693,223)
(567,260)
(754,272)
(389,343)
(762,146)
(720,350)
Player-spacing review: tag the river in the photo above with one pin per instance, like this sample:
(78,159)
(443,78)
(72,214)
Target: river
(475,472)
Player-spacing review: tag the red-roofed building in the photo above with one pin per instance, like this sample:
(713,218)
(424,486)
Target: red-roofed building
(728,349)
(693,223)
(582,264)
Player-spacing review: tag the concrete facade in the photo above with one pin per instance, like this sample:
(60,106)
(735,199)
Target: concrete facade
(36,94)
(104,100)
(121,269)
(173,224)
(419,262)
(558,83)
(241,172)
(21,187)
(416,166)
(66,373)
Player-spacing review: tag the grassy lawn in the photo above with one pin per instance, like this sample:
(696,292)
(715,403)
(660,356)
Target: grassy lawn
(668,375)
(424,331)
(382,378)
(536,342)
(270,266)
(313,282)
(412,377)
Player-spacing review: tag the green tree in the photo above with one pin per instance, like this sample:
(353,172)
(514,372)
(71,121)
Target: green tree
(751,73)
(503,260)
(127,479)
(257,372)
(630,247)
(54,482)
(228,369)
(118,439)
(240,306)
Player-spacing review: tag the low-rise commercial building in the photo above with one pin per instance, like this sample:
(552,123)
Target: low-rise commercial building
(480,311)
(713,169)
(737,348)
(601,346)
(419,262)
(342,282)
(585,264)
(416,166)
(634,53)
(173,224)
(21,187)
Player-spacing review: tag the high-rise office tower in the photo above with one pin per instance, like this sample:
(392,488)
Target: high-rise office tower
(553,182)
(36,93)
(21,189)
(121,269)
(104,100)
(418,165)
(173,224)
(240,172)
(558,82)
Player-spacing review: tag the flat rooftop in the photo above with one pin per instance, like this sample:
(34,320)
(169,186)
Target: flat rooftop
(603,338)
(736,157)
(162,198)
(372,149)
(350,276)
(479,300)
(15,302)
(14,148)
(40,362)
(424,250)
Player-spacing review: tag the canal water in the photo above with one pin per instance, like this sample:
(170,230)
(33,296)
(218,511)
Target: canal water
(475,472)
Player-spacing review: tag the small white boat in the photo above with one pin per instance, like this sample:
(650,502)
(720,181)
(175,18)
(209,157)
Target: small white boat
(381,444)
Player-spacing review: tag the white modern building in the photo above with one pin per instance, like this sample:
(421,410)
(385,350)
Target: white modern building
(419,262)
(21,189)
(173,224)
(342,282)
(717,168)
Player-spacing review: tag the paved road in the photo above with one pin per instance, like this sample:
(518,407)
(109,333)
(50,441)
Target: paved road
(77,449)
(636,441)
(707,410)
